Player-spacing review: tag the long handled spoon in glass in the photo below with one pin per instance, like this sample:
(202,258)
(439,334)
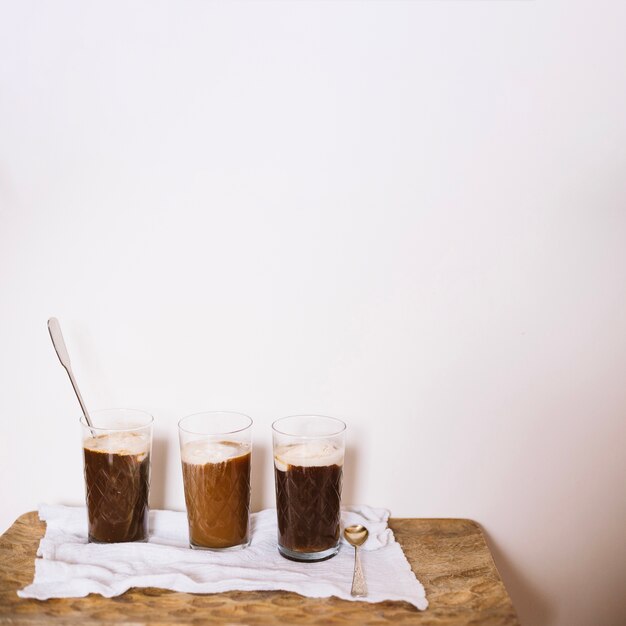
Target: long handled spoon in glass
(54,328)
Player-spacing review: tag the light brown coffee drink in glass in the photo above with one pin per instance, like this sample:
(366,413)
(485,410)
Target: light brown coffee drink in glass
(216,452)
(217,492)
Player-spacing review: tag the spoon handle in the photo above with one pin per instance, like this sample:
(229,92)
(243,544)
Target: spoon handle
(359,588)
(54,328)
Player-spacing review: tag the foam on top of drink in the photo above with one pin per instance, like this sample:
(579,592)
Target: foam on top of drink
(318,453)
(202,452)
(124,443)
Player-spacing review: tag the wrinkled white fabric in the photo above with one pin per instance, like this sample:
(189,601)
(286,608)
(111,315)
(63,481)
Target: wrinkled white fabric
(71,567)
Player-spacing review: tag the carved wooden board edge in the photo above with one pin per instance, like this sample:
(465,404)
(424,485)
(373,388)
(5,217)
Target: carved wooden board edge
(449,556)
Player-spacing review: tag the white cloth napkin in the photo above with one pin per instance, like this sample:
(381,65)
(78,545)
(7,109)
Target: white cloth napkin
(71,567)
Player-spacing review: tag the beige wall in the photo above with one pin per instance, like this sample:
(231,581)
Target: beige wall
(411,215)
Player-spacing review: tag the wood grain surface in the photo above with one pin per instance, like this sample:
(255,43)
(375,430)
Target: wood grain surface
(449,556)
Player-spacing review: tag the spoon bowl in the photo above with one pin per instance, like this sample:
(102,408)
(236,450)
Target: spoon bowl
(356,535)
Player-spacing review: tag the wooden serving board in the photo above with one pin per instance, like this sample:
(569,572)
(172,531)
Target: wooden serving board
(449,556)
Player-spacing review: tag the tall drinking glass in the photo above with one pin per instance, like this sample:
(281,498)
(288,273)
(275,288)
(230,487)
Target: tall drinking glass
(117,474)
(215,450)
(308,468)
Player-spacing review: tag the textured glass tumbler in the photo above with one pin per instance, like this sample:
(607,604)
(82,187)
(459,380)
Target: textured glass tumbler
(308,468)
(117,474)
(215,450)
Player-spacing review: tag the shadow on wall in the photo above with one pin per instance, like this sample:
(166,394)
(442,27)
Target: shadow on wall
(531,605)
(351,471)
(158,472)
(261,463)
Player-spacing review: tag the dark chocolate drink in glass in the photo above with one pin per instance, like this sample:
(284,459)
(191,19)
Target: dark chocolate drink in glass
(308,467)
(117,475)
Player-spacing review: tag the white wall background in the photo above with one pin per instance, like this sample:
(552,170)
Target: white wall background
(410,215)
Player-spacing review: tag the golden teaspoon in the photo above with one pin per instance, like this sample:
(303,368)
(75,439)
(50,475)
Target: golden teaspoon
(356,536)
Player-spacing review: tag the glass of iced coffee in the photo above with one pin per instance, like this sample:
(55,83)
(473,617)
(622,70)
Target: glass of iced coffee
(215,450)
(117,474)
(308,468)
